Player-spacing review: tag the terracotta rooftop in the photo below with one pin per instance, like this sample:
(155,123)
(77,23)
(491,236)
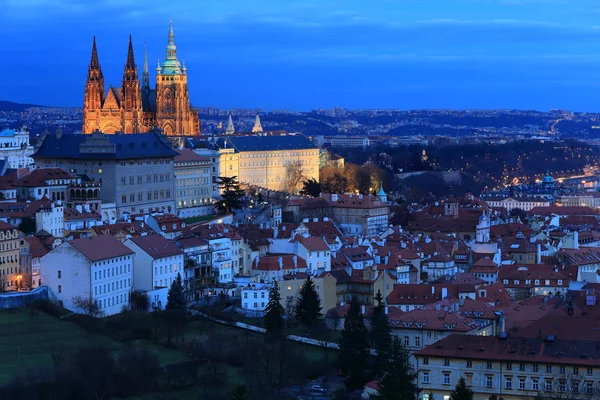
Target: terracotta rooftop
(102,247)
(157,246)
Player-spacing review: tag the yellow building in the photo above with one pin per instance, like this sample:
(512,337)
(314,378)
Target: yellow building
(324,284)
(274,162)
(11,274)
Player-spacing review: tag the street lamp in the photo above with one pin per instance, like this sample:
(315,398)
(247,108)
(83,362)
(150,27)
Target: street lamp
(19,277)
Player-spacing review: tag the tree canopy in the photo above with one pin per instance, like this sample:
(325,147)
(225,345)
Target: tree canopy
(231,194)
(461,391)
(398,383)
(354,347)
(381,336)
(311,188)
(308,307)
(176,295)
(273,320)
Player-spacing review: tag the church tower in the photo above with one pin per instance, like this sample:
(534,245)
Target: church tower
(230,130)
(131,98)
(94,94)
(257,125)
(173,112)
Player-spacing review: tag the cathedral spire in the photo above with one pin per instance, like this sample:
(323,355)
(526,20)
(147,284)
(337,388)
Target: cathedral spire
(171,64)
(230,129)
(145,74)
(94,63)
(130,60)
(257,125)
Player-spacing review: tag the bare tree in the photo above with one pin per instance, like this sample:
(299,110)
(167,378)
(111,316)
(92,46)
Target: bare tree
(295,175)
(88,306)
(568,386)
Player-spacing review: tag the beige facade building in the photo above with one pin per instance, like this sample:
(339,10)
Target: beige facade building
(510,367)
(324,283)
(193,184)
(274,162)
(11,274)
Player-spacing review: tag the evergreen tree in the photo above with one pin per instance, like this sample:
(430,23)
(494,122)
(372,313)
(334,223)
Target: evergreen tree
(354,347)
(273,319)
(231,194)
(176,296)
(308,307)
(399,380)
(381,335)
(311,188)
(461,391)
(431,396)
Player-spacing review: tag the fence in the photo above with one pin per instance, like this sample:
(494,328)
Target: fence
(22,299)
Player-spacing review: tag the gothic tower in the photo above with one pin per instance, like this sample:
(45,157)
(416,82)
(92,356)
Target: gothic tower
(131,98)
(173,112)
(94,94)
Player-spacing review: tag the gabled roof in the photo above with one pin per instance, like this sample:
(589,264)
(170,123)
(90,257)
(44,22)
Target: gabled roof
(102,247)
(156,246)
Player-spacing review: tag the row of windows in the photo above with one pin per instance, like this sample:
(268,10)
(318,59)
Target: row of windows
(148,162)
(103,273)
(116,300)
(162,194)
(7,272)
(166,269)
(508,366)
(262,295)
(156,178)
(108,287)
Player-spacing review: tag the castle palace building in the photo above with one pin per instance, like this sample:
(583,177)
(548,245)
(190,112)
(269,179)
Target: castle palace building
(137,109)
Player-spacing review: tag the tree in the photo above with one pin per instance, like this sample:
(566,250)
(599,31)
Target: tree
(231,194)
(399,380)
(461,391)
(139,301)
(176,295)
(354,347)
(239,393)
(381,336)
(27,226)
(311,188)
(273,320)
(308,307)
(295,174)
(88,306)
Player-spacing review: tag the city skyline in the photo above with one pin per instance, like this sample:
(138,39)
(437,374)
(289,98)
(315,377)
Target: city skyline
(536,54)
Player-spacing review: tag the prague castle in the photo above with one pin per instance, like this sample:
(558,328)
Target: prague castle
(135,108)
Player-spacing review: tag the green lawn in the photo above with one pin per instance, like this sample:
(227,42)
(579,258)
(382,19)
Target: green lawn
(28,340)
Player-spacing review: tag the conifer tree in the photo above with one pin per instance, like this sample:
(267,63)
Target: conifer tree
(381,335)
(461,391)
(398,382)
(176,296)
(354,347)
(308,307)
(273,319)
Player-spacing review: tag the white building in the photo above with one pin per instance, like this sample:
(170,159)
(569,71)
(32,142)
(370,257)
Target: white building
(193,184)
(255,298)
(51,219)
(156,265)
(98,268)
(221,258)
(15,148)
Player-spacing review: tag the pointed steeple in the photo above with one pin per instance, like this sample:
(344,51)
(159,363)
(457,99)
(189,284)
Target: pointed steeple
(230,129)
(94,63)
(145,73)
(130,60)
(171,64)
(257,125)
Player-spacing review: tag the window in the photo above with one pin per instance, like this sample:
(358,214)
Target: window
(589,387)
(562,386)
(576,370)
(406,340)
(535,367)
(489,381)
(590,371)
(508,366)
(508,382)
(425,360)
(489,365)
(535,384)
(59,289)
(469,364)
(446,378)
(429,335)
(425,376)
(521,367)
(59,274)
(417,341)
(548,368)
(521,383)
(562,369)
(548,385)
(123,199)
(446,361)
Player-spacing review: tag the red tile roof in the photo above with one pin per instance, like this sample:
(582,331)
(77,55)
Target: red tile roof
(102,247)
(157,246)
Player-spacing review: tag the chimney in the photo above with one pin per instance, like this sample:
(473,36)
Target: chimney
(334,197)
(576,240)
(280,259)
(325,219)
(315,219)
(432,289)
(444,292)
(360,196)
(539,253)
(295,258)
(305,220)
(79,208)
(386,310)
(86,207)
(462,301)
(438,306)
(363,309)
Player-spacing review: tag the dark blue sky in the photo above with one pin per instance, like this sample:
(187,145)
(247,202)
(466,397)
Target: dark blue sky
(534,54)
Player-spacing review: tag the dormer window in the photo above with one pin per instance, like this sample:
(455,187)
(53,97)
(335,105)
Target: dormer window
(174,226)
(164,227)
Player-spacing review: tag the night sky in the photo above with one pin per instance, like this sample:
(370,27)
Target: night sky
(532,54)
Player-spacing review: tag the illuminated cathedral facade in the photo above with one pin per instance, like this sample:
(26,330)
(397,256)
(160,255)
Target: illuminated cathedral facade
(135,108)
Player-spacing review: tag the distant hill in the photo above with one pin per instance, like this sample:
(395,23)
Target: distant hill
(10,106)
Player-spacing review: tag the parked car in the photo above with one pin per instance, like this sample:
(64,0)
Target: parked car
(318,389)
